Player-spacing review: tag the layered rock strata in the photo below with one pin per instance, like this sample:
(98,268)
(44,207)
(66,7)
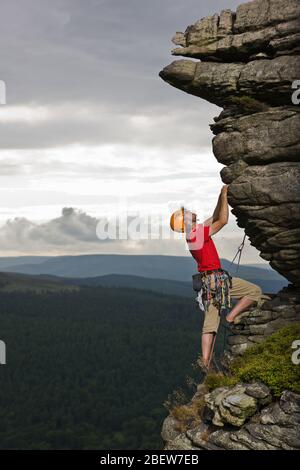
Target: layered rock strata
(249,64)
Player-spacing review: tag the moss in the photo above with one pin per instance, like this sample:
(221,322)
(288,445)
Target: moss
(215,380)
(271,362)
(248,103)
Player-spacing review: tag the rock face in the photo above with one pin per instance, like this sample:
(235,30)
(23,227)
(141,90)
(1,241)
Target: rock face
(248,63)
(249,60)
(255,325)
(237,418)
(231,405)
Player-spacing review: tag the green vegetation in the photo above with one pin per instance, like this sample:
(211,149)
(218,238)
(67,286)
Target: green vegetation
(217,379)
(100,368)
(188,415)
(249,104)
(91,369)
(269,362)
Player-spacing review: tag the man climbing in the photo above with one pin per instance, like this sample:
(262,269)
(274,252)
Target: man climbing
(215,285)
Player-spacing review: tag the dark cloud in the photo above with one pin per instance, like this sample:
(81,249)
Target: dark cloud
(96,52)
(65,125)
(99,50)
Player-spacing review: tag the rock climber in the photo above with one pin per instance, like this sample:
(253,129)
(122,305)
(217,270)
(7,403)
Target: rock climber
(214,285)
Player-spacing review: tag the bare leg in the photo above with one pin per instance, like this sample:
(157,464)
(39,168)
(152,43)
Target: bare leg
(207,341)
(242,305)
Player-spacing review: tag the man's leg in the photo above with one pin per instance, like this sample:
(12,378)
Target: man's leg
(247,293)
(209,330)
(207,343)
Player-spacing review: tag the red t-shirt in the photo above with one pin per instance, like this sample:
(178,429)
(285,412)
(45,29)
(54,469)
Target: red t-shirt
(202,248)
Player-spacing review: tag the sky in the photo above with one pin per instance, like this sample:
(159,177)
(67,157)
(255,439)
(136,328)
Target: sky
(89,130)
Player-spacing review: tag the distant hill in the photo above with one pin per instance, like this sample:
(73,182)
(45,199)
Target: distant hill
(14,282)
(176,268)
(42,283)
(259,265)
(164,286)
(8,261)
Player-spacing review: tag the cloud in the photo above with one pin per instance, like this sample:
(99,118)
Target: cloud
(72,225)
(88,72)
(50,126)
(78,175)
(75,232)
(105,51)
(88,121)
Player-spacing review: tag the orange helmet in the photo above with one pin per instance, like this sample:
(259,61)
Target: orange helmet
(177,220)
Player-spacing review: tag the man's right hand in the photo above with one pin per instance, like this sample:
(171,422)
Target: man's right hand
(220,217)
(224,189)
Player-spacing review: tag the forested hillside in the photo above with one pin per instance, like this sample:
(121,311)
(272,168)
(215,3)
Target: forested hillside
(92,369)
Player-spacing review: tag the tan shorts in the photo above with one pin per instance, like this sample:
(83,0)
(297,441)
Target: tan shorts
(240,288)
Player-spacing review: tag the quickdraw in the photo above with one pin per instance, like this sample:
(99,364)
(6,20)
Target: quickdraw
(239,254)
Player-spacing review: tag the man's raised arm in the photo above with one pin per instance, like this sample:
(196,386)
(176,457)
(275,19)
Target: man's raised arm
(223,212)
(215,215)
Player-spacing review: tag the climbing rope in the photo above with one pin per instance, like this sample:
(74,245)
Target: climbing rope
(239,254)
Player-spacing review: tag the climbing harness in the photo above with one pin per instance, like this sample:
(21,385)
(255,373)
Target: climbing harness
(221,295)
(202,283)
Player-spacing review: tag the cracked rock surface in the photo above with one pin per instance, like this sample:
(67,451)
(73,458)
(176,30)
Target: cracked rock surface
(240,420)
(248,62)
